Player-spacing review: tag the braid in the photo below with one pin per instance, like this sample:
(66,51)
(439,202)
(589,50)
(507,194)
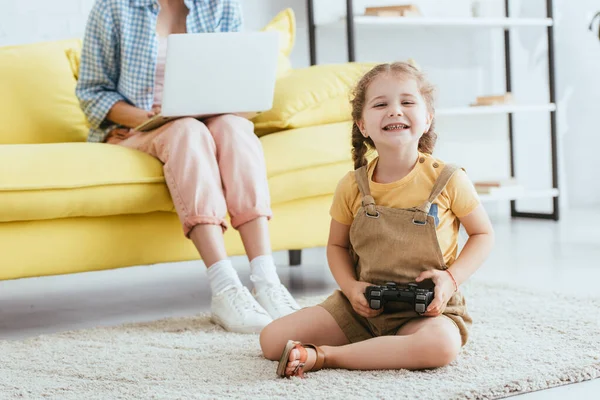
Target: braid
(427,141)
(360,146)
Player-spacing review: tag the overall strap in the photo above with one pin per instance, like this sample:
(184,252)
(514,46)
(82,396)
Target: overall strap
(438,187)
(368,202)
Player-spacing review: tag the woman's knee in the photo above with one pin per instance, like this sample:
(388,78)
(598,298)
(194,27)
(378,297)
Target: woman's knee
(188,124)
(187,128)
(229,122)
(229,125)
(184,133)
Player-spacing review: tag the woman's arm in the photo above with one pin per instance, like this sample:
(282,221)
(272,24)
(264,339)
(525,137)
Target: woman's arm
(232,20)
(125,114)
(99,67)
(478,246)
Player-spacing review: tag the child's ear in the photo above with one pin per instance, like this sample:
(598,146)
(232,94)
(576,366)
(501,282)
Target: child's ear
(429,120)
(361,127)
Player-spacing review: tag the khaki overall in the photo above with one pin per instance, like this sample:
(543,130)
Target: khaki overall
(393,245)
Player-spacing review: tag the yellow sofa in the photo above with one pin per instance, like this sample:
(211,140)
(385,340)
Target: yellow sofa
(70,206)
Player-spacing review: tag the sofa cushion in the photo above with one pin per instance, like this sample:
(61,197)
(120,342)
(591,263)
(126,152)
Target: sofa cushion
(78,179)
(37,95)
(307,162)
(285,24)
(316,95)
(63,180)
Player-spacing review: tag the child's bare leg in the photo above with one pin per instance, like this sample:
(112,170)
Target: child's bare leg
(310,325)
(421,343)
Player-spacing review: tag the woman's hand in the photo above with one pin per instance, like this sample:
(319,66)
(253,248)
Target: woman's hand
(126,115)
(121,133)
(154,112)
(356,295)
(443,291)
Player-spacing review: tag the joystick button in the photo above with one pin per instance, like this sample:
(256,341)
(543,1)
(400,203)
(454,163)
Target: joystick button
(421,297)
(375,293)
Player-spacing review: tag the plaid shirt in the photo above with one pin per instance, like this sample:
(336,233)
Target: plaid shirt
(120,48)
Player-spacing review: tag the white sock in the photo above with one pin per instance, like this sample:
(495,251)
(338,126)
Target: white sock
(263,271)
(221,275)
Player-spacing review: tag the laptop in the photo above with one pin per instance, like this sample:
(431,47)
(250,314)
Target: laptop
(208,74)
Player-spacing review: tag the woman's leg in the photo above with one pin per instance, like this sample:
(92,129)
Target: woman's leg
(421,343)
(244,175)
(243,172)
(188,152)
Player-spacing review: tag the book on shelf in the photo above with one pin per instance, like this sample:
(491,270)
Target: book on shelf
(407,10)
(497,182)
(506,98)
(509,186)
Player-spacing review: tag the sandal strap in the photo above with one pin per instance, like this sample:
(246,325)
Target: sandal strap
(320,361)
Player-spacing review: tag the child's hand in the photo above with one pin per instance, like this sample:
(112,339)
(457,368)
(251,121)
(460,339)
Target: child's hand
(443,291)
(356,296)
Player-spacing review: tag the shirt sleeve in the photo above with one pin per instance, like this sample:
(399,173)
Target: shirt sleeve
(341,207)
(232,19)
(462,194)
(99,70)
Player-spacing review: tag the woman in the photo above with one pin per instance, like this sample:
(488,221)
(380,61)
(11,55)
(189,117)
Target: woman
(211,167)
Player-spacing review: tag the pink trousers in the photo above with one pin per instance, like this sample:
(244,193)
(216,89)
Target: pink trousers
(211,168)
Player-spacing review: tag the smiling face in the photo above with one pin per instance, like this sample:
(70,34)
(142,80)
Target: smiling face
(395,114)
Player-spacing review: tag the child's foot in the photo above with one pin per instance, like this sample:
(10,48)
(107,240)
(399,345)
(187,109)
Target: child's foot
(298,358)
(295,365)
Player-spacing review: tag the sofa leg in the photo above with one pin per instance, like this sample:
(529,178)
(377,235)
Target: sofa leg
(295,257)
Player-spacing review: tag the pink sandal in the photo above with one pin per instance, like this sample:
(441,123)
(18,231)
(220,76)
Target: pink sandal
(298,371)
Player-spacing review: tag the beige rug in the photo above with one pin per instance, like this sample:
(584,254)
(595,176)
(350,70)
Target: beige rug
(520,342)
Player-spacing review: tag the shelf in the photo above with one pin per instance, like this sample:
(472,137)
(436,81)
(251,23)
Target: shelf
(526,194)
(355,23)
(497,109)
(452,22)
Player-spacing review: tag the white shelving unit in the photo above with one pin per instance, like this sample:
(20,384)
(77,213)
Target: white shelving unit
(506,23)
(497,109)
(448,22)
(526,194)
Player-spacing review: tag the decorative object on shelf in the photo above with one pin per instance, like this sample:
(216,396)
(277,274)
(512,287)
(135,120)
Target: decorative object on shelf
(493,100)
(408,10)
(596,17)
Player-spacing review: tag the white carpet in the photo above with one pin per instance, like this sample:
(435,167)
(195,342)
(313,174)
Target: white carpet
(520,342)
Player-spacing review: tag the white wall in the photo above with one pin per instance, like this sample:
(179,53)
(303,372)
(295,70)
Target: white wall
(578,78)
(463,63)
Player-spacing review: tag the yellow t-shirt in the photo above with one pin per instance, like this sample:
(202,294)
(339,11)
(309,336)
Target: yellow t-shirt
(457,199)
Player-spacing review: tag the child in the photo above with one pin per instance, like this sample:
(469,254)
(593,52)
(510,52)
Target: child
(395,219)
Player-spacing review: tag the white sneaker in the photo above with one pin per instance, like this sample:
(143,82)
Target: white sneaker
(236,310)
(276,300)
